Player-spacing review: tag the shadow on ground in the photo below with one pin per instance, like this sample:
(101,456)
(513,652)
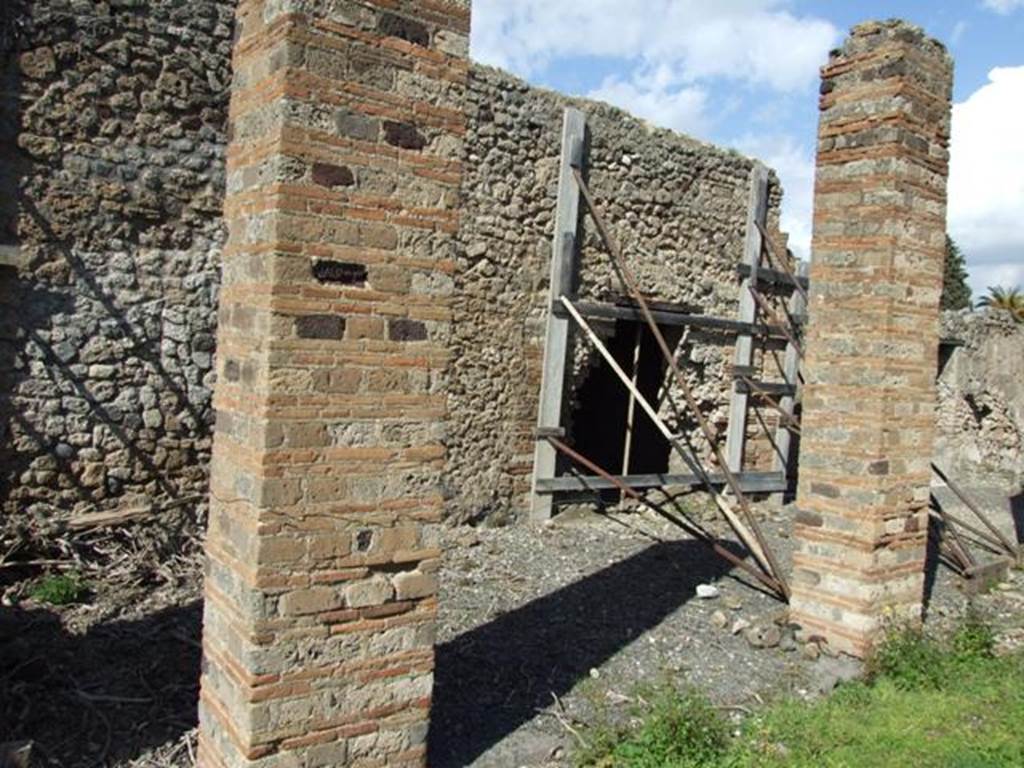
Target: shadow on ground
(492,679)
(125,686)
(101,697)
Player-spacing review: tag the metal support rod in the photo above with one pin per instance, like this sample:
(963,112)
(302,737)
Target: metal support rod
(781,261)
(982,535)
(789,368)
(629,282)
(744,534)
(766,308)
(953,557)
(693,530)
(627,449)
(1011,549)
(557,344)
(743,355)
(956,544)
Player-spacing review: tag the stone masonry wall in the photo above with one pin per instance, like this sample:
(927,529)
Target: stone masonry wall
(112,169)
(678,208)
(869,406)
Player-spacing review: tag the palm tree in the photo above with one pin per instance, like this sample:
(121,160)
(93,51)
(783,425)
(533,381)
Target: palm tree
(1009,299)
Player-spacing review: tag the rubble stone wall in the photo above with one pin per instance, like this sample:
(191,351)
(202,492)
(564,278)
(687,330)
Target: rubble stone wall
(112,145)
(981,399)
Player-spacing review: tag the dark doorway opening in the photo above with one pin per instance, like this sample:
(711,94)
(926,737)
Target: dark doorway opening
(599,418)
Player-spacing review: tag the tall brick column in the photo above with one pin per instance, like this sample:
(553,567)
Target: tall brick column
(876,277)
(343,174)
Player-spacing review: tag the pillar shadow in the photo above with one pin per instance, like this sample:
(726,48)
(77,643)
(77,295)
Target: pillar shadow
(102,697)
(492,679)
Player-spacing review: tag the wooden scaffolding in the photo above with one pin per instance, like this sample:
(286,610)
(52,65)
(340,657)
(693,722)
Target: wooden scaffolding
(766,277)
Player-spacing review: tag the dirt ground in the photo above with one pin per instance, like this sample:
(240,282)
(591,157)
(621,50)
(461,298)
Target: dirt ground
(542,630)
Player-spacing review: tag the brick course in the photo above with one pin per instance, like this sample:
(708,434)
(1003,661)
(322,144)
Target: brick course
(325,487)
(872,347)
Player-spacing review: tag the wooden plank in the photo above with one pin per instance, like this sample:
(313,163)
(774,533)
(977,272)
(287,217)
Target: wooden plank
(750,482)
(596,311)
(772,278)
(563,274)
(757,213)
(754,387)
(783,459)
(627,448)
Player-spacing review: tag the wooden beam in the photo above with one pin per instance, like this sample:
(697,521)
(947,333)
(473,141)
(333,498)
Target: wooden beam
(751,482)
(783,459)
(771,278)
(754,387)
(595,311)
(563,279)
(627,448)
(757,213)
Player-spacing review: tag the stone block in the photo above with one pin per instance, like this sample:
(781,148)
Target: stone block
(374,591)
(415,585)
(307,601)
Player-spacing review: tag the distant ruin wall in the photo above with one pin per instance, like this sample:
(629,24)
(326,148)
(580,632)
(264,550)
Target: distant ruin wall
(981,399)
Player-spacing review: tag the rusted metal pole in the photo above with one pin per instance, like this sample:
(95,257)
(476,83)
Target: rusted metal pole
(1011,549)
(982,535)
(957,544)
(766,308)
(631,285)
(693,530)
(775,258)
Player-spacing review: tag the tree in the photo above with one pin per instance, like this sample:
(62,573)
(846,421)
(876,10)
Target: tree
(1008,299)
(956,294)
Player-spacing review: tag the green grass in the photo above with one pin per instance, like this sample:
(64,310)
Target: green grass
(62,589)
(925,704)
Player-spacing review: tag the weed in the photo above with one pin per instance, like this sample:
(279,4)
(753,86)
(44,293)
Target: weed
(62,589)
(909,659)
(679,729)
(974,639)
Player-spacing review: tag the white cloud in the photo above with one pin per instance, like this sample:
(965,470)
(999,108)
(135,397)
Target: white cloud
(1003,6)
(986,184)
(752,41)
(794,163)
(681,109)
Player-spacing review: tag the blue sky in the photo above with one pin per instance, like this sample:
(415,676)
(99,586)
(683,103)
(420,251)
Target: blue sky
(744,73)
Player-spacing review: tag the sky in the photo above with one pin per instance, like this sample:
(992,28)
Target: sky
(744,74)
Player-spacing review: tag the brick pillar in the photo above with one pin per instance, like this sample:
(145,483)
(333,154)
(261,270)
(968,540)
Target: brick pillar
(872,346)
(323,543)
